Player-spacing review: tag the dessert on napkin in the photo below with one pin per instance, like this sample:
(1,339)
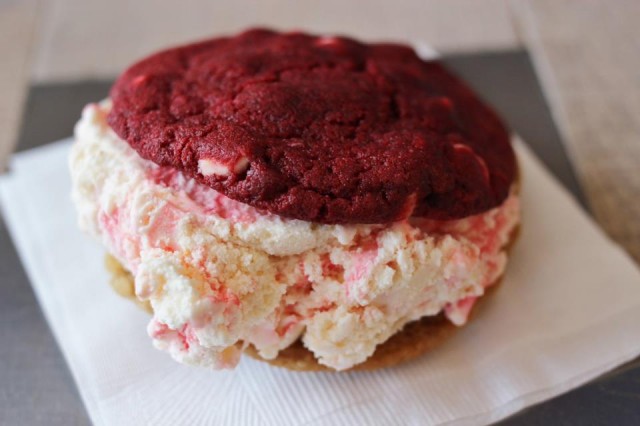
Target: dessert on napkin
(317,202)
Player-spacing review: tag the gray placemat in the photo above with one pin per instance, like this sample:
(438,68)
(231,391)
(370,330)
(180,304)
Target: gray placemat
(35,384)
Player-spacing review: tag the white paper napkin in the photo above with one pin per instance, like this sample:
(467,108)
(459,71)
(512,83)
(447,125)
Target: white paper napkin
(567,311)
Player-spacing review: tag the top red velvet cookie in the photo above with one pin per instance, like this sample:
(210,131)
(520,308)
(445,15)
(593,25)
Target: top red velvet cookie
(323,129)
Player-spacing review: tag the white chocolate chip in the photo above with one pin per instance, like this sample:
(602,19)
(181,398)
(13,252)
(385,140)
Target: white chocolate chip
(483,165)
(409,206)
(459,147)
(241,165)
(139,79)
(208,167)
(327,41)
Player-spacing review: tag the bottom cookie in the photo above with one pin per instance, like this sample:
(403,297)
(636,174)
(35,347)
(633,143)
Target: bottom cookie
(415,339)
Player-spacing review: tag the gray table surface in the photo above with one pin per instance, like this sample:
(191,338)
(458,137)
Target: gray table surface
(36,387)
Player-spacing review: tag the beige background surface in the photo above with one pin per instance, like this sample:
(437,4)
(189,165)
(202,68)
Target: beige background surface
(587,53)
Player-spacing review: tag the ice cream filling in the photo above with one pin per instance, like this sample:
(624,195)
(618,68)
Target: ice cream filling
(218,272)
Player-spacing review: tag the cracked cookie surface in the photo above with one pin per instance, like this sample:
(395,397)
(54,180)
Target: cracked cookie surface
(322,129)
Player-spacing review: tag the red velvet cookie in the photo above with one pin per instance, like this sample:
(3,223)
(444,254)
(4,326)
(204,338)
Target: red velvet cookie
(320,129)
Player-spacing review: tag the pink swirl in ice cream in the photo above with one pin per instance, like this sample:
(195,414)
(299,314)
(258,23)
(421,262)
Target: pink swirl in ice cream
(218,272)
